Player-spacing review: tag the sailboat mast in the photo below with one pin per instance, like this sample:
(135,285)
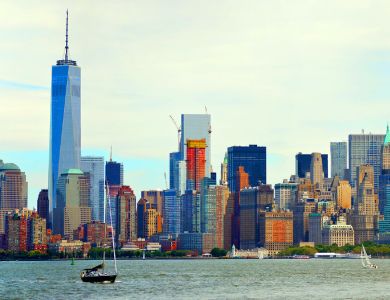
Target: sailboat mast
(112,235)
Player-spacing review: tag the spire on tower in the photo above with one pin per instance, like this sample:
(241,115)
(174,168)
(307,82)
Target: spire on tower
(66,38)
(111,153)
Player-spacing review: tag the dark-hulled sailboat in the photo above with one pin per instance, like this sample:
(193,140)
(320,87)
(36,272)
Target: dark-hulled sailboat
(98,274)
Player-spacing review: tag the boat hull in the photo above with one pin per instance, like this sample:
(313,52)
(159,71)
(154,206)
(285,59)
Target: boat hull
(99,279)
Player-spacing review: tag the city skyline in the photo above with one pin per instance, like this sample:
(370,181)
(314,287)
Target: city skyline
(26,143)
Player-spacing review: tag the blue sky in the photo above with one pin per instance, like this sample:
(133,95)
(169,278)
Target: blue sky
(289,75)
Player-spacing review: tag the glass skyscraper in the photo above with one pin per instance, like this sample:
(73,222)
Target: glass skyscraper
(254,160)
(65,129)
(94,165)
(196,127)
(365,149)
(338,158)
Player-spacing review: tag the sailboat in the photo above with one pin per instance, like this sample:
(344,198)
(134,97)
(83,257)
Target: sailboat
(366,263)
(98,274)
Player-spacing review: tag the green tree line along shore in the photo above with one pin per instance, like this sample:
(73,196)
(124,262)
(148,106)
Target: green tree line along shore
(375,250)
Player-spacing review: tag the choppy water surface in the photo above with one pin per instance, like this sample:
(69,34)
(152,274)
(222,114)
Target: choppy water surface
(199,279)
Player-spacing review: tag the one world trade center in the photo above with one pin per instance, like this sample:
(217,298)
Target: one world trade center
(64,121)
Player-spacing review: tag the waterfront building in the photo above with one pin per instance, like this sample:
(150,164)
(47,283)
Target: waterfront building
(171,212)
(141,211)
(285,195)
(316,170)
(126,215)
(338,159)
(13,187)
(365,210)
(253,159)
(384,185)
(340,234)
(365,149)
(198,242)
(43,206)
(25,231)
(190,211)
(196,163)
(224,171)
(252,201)
(65,122)
(301,211)
(303,163)
(72,208)
(114,181)
(275,230)
(315,228)
(155,198)
(70,247)
(94,165)
(196,127)
(97,233)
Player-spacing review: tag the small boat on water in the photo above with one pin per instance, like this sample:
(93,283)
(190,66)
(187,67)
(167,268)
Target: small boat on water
(366,263)
(98,274)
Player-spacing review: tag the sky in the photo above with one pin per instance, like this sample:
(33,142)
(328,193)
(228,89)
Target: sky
(289,75)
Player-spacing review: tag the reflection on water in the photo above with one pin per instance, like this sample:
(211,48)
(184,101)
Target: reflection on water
(200,279)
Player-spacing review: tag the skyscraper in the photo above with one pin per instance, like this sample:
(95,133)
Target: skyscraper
(303,162)
(43,205)
(196,127)
(338,158)
(384,185)
(13,187)
(254,160)
(126,215)
(94,165)
(196,163)
(155,198)
(114,173)
(285,195)
(65,123)
(316,169)
(365,149)
(72,208)
(171,212)
(224,171)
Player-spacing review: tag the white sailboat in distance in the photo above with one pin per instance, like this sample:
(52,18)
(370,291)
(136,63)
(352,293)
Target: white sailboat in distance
(366,263)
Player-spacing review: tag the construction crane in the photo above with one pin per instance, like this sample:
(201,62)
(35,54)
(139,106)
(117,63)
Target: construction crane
(178,131)
(166,181)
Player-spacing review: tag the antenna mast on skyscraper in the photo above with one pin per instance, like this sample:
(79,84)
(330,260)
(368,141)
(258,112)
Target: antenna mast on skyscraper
(111,153)
(66,38)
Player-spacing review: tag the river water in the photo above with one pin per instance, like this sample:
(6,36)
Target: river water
(200,279)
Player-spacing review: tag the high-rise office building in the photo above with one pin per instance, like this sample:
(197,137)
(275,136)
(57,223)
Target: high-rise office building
(276,230)
(338,159)
(72,208)
(384,185)
(114,173)
(196,127)
(126,215)
(196,163)
(208,207)
(94,165)
(241,181)
(365,149)
(285,195)
(344,194)
(155,198)
(221,198)
(254,160)
(65,121)
(13,187)
(43,205)
(365,211)
(303,163)
(316,169)
(171,212)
